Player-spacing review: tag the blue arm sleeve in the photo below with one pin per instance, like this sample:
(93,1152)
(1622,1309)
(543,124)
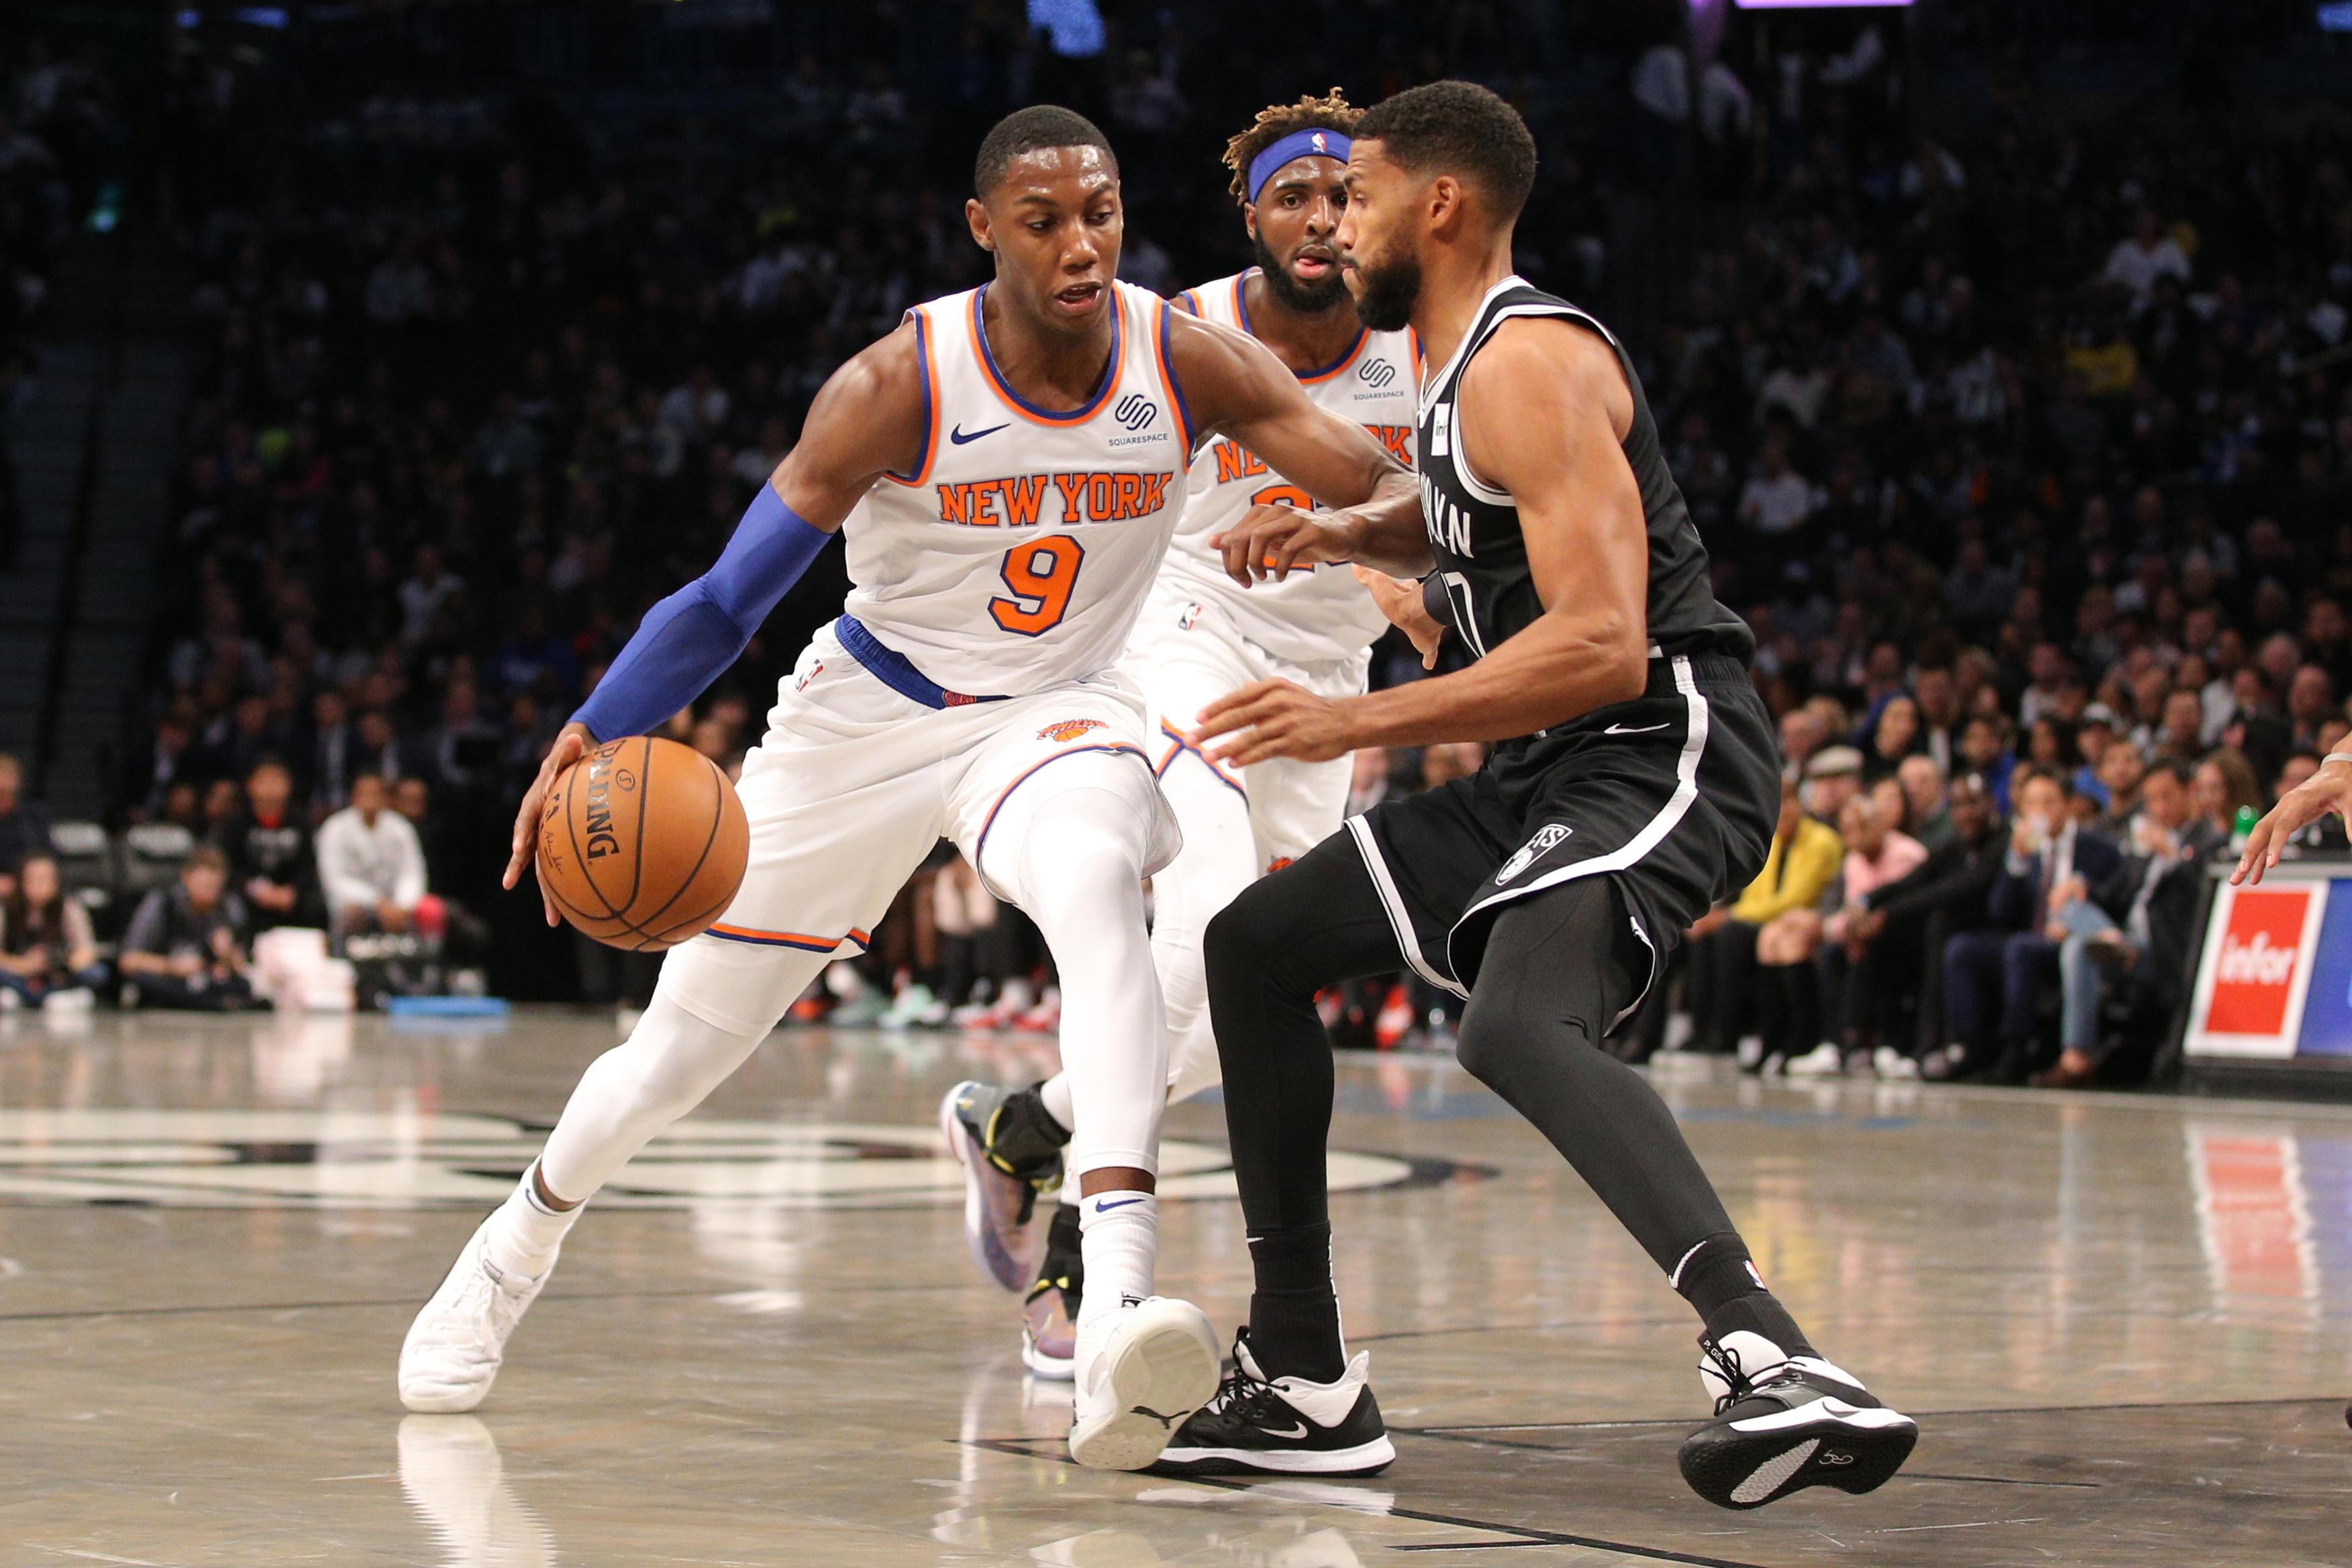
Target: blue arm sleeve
(687,640)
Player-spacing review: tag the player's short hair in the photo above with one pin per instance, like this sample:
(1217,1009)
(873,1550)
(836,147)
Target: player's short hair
(1457,128)
(1331,111)
(1026,131)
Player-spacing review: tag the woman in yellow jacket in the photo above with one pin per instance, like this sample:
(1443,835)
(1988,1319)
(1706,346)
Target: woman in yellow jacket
(1804,859)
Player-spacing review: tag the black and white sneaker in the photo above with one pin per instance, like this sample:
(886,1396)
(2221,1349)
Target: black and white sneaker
(1288,1426)
(1783,1423)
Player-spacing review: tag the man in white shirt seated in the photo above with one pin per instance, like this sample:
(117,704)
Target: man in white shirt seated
(371,866)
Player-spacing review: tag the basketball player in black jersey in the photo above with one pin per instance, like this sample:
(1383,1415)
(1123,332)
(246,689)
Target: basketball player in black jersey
(1634,782)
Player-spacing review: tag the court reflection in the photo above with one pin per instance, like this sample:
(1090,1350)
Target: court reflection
(454,1478)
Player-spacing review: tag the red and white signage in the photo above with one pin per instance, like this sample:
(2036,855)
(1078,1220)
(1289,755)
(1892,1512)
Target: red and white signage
(2256,970)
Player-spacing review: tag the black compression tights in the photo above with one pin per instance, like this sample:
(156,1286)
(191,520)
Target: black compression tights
(1556,974)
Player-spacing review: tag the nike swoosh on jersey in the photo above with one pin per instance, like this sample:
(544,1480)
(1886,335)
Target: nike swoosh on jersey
(960,437)
(1634,728)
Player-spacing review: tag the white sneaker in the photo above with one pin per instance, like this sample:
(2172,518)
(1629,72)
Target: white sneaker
(452,1354)
(1141,1370)
(1891,1063)
(74,999)
(1824,1060)
(1750,1053)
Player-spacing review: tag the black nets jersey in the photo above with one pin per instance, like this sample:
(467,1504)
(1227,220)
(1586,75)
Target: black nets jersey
(1474,527)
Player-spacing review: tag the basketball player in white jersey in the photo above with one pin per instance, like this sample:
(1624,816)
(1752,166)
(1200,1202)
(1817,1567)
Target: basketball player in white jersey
(1201,636)
(1007,467)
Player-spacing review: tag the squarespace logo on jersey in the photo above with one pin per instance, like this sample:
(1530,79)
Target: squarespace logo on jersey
(1018,501)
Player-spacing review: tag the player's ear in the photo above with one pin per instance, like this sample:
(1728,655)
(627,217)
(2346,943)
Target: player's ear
(1249,219)
(976,215)
(1441,203)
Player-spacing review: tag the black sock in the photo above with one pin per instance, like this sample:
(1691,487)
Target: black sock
(1719,1279)
(1294,1312)
(1026,1135)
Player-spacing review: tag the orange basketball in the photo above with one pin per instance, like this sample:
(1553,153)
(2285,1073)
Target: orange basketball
(643,843)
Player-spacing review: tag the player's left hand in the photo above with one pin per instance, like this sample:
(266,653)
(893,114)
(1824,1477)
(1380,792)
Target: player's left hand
(1275,541)
(1273,718)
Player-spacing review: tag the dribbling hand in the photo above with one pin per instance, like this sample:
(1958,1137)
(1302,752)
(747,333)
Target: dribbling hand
(2329,789)
(571,743)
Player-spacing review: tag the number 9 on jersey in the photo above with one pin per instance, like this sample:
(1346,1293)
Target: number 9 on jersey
(1042,574)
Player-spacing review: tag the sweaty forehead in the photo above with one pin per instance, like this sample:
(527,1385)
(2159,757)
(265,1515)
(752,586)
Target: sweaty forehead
(1057,174)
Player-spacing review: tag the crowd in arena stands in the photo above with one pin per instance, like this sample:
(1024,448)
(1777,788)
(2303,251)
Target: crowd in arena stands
(2029,458)
(2024,444)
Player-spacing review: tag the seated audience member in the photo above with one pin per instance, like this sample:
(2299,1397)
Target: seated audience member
(1943,895)
(269,852)
(1994,980)
(2223,785)
(2131,934)
(1798,868)
(371,865)
(1866,972)
(186,944)
(1832,779)
(1895,737)
(2122,771)
(49,953)
(23,824)
(1926,805)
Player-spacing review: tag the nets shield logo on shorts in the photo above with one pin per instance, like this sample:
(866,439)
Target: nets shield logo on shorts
(1376,374)
(1135,410)
(1068,729)
(1551,833)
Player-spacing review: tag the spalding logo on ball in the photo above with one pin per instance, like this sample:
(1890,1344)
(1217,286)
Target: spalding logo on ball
(642,844)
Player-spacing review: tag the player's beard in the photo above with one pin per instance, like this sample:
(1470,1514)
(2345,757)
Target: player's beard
(1301,299)
(1389,287)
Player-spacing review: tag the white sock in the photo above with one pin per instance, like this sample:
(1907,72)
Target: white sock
(1119,1236)
(525,1234)
(1055,1095)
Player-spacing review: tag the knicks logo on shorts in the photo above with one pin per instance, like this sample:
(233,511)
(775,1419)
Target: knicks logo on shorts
(1069,729)
(1550,835)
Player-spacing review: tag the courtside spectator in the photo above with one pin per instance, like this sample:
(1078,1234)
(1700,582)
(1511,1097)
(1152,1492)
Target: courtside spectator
(1995,979)
(270,857)
(49,952)
(371,865)
(186,944)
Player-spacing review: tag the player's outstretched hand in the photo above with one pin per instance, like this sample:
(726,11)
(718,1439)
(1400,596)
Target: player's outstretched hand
(1273,718)
(571,743)
(1400,599)
(1275,541)
(2329,789)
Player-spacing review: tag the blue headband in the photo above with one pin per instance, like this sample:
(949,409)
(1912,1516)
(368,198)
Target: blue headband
(1307,143)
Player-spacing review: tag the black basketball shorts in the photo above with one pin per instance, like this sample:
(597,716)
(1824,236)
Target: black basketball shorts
(1673,796)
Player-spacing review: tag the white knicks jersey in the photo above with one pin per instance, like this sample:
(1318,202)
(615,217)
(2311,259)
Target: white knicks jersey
(1017,556)
(1309,617)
